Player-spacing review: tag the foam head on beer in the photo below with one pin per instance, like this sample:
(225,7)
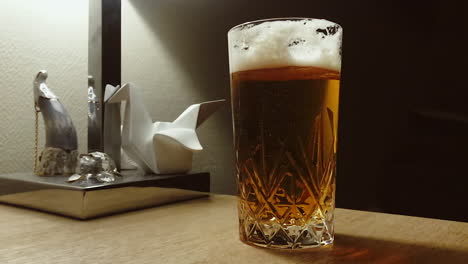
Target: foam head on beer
(274,44)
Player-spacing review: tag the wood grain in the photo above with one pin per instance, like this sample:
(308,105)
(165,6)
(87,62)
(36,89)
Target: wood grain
(205,231)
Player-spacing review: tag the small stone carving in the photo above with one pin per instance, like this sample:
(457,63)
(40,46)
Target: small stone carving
(96,166)
(57,161)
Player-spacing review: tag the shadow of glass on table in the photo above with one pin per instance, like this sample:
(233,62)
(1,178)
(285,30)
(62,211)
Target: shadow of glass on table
(353,249)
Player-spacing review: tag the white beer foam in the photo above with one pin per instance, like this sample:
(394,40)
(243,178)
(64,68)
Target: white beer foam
(272,44)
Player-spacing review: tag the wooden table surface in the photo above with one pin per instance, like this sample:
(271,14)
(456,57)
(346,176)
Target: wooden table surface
(205,231)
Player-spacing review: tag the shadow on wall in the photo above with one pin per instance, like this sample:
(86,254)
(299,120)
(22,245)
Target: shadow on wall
(195,32)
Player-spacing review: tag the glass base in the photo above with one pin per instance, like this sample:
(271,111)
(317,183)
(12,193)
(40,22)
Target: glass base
(294,246)
(288,237)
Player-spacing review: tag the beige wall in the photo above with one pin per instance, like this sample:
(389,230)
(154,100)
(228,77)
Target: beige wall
(35,35)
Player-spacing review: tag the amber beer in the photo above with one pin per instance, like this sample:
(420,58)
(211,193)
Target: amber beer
(285,135)
(285,138)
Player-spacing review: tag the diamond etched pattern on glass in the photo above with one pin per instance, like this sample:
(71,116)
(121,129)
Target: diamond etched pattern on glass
(287,198)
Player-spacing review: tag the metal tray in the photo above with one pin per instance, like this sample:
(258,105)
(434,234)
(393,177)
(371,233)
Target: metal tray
(89,200)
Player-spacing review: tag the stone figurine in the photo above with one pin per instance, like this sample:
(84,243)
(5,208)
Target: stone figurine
(60,153)
(159,147)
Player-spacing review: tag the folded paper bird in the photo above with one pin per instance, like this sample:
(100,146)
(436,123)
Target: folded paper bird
(159,147)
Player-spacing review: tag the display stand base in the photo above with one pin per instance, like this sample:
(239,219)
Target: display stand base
(84,200)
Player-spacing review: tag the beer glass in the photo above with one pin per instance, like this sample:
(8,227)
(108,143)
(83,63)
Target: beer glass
(285,79)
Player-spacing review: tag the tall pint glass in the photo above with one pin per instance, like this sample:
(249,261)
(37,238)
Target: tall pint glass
(285,80)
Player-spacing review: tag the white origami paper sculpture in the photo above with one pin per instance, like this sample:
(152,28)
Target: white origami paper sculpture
(159,147)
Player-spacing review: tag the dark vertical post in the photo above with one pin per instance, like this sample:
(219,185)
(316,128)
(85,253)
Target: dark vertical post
(104,64)
(95,134)
(111,41)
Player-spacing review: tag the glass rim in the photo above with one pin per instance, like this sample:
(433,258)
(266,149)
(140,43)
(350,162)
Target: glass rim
(260,21)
